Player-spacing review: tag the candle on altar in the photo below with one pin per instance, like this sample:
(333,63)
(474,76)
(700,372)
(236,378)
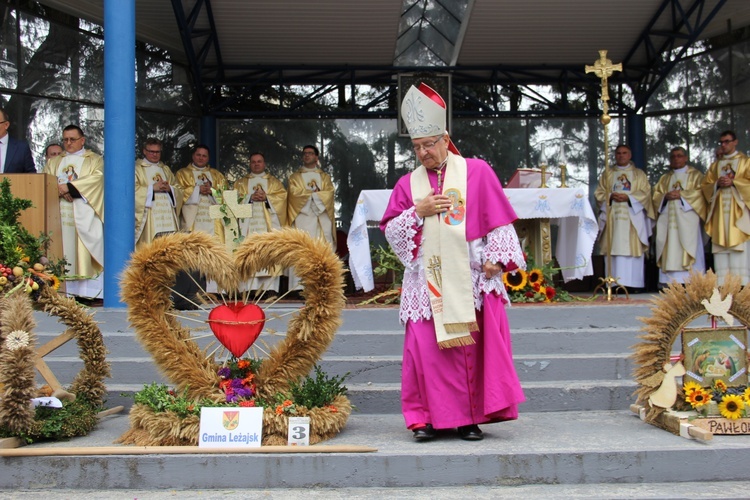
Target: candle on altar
(563,166)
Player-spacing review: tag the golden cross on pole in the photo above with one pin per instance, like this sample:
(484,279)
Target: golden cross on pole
(603,68)
(230,211)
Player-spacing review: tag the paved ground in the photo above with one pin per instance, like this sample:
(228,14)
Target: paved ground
(664,491)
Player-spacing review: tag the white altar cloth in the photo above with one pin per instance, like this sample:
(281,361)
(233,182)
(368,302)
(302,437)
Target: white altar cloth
(568,208)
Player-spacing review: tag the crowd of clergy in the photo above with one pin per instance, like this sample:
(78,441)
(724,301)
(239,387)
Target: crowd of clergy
(683,211)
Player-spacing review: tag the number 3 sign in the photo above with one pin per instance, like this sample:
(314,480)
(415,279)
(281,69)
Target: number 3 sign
(299,431)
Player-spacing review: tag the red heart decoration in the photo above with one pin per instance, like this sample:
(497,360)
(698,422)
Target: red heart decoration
(237,325)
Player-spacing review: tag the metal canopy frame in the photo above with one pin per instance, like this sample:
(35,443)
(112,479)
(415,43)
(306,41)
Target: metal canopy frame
(222,89)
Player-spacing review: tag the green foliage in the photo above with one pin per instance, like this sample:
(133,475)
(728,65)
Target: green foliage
(387,260)
(75,418)
(310,392)
(15,241)
(319,391)
(161,398)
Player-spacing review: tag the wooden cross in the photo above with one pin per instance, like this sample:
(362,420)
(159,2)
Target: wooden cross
(231,210)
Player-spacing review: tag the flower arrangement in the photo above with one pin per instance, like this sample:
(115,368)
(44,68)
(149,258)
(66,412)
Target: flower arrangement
(236,379)
(729,402)
(535,285)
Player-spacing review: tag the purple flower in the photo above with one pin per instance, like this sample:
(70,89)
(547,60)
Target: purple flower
(244,393)
(231,397)
(237,383)
(224,372)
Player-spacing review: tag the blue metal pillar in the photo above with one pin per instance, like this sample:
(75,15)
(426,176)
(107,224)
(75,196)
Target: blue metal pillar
(636,125)
(119,143)
(208,137)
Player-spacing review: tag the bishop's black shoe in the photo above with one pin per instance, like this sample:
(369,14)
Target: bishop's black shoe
(425,433)
(470,433)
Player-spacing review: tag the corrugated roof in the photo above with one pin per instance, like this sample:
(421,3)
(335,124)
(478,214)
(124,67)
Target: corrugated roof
(365,32)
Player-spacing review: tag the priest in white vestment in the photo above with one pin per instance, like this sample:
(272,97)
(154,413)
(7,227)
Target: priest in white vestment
(158,197)
(199,183)
(267,195)
(80,183)
(681,209)
(310,203)
(726,188)
(626,218)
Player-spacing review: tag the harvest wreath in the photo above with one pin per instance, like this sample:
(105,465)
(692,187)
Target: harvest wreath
(18,356)
(166,417)
(712,394)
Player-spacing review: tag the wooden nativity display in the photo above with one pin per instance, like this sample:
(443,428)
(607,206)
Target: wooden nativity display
(702,390)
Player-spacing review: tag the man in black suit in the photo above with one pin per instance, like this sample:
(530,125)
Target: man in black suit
(15,155)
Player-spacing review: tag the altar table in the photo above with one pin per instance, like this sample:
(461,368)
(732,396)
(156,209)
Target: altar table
(568,208)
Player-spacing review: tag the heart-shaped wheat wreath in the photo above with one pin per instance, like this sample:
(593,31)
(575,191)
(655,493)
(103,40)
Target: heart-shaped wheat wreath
(146,288)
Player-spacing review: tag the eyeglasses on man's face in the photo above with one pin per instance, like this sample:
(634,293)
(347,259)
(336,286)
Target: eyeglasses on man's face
(726,141)
(427,146)
(71,139)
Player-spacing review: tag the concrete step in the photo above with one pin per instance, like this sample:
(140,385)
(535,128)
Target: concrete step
(539,449)
(381,369)
(385,398)
(582,364)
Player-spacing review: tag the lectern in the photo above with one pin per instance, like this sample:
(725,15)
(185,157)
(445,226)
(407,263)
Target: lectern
(44,215)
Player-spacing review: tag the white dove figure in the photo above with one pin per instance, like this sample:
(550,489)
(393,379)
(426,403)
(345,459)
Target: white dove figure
(719,308)
(666,394)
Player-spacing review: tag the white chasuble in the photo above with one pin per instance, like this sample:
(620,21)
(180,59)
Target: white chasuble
(621,220)
(677,229)
(313,217)
(257,223)
(199,213)
(159,217)
(78,219)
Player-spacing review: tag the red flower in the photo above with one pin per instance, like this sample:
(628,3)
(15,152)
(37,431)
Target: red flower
(247,404)
(536,286)
(529,295)
(279,410)
(242,364)
(550,293)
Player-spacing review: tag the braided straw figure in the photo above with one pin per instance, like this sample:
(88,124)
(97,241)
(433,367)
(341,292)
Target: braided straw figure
(674,309)
(17,356)
(146,290)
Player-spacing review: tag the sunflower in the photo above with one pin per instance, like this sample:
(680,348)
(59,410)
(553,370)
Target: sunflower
(55,282)
(720,386)
(691,386)
(535,276)
(732,406)
(746,395)
(698,397)
(515,281)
